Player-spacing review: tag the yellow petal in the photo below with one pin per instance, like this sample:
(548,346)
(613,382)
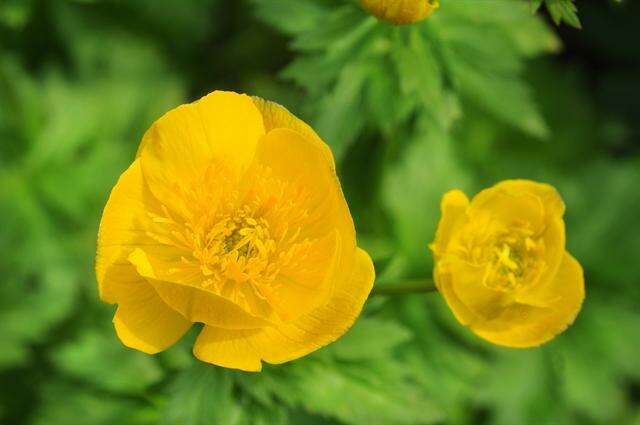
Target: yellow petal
(297,159)
(195,303)
(466,283)
(286,342)
(325,324)
(453,208)
(145,323)
(551,199)
(228,348)
(442,278)
(307,285)
(277,116)
(300,160)
(509,206)
(122,227)
(178,148)
(526,326)
(542,292)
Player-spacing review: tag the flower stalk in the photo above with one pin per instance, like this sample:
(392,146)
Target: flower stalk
(418,286)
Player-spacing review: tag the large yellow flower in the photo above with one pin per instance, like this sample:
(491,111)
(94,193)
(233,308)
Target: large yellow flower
(502,266)
(401,12)
(232,216)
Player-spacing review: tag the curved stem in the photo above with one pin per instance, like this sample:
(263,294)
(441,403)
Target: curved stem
(407,287)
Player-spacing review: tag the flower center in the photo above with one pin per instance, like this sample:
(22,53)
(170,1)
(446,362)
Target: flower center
(513,259)
(238,247)
(230,234)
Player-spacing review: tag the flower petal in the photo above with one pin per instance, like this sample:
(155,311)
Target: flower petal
(509,206)
(453,208)
(277,116)
(325,324)
(228,348)
(307,285)
(193,302)
(290,341)
(542,293)
(551,199)
(178,148)
(299,160)
(123,226)
(145,323)
(466,283)
(526,326)
(303,161)
(443,278)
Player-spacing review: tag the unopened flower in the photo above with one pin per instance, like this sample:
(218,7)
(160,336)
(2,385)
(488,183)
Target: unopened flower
(400,12)
(231,216)
(501,263)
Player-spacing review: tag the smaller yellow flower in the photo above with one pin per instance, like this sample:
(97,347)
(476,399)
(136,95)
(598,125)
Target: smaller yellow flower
(399,12)
(501,263)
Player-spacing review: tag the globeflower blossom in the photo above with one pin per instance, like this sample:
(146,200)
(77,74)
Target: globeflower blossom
(502,266)
(400,12)
(231,216)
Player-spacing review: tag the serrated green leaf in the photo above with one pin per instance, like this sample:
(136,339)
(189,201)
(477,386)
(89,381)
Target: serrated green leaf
(412,191)
(291,16)
(202,395)
(563,11)
(65,404)
(101,360)
(370,339)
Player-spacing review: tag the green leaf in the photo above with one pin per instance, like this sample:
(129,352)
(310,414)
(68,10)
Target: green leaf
(370,338)
(65,404)
(563,11)
(412,191)
(202,395)
(355,380)
(291,16)
(102,360)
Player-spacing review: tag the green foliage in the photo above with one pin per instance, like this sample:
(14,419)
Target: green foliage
(373,73)
(101,361)
(335,383)
(462,100)
(560,11)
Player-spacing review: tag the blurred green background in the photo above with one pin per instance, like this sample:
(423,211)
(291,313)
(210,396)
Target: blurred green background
(482,91)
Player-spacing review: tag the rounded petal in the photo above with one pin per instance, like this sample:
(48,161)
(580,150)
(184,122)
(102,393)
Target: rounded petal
(466,283)
(542,292)
(509,206)
(301,160)
(193,302)
(277,116)
(145,323)
(551,199)
(180,146)
(297,159)
(442,280)
(289,341)
(233,349)
(453,207)
(523,326)
(300,289)
(123,227)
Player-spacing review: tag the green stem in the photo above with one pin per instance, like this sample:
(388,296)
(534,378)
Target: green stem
(407,287)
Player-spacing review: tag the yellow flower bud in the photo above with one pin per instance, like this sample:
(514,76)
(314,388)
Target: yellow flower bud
(400,12)
(232,216)
(501,263)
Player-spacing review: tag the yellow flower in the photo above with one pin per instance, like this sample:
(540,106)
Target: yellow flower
(232,216)
(502,266)
(400,12)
